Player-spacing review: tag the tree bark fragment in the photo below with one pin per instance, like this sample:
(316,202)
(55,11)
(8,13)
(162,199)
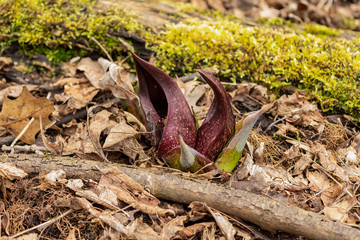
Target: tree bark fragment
(170,185)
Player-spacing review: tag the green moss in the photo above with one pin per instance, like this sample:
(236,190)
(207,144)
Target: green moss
(321,30)
(63,25)
(326,67)
(276,22)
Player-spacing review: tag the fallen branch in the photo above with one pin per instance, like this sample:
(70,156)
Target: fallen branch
(166,184)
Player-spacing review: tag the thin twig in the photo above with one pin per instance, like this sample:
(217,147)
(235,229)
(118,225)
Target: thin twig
(25,149)
(22,132)
(102,48)
(274,123)
(45,224)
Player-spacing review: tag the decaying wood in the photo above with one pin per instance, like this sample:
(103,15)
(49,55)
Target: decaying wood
(261,210)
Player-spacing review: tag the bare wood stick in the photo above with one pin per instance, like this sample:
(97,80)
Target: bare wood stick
(261,210)
(102,48)
(22,132)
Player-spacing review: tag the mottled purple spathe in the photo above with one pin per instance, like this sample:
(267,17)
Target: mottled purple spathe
(219,123)
(165,107)
(168,116)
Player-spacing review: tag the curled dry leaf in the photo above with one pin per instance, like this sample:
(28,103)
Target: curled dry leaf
(328,189)
(80,95)
(118,133)
(174,226)
(192,230)
(329,161)
(224,224)
(16,114)
(193,92)
(11,172)
(92,70)
(117,79)
(339,211)
(91,139)
(78,92)
(303,163)
(55,177)
(100,195)
(129,191)
(104,74)
(248,93)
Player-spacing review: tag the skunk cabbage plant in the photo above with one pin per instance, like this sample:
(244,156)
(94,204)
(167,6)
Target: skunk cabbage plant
(172,124)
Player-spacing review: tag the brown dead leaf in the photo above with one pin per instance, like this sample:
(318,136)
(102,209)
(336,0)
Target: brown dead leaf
(74,143)
(130,118)
(11,172)
(106,217)
(70,81)
(140,230)
(91,137)
(224,224)
(340,210)
(174,226)
(118,133)
(250,94)
(99,194)
(193,91)
(92,70)
(129,191)
(15,91)
(320,183)
(56,147)
(283,129)
(116,79)
(55,177)
(80,95)
(244,170)
(5,63)
(303,163)
(78,92)
(194,229)
(302,112)
(16,114)
(329,161)
(131,148)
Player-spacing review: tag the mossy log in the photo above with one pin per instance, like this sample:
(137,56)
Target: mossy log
(266,212)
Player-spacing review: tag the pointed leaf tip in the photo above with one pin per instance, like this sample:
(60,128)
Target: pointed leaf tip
(219,123)
(162,101)
(232,153)
(187,157)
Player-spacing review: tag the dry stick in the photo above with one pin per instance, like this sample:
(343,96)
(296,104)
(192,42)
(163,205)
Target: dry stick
(268,213)
(43,225)
(102,48)
(274,123)
(23,149)
(22,132)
